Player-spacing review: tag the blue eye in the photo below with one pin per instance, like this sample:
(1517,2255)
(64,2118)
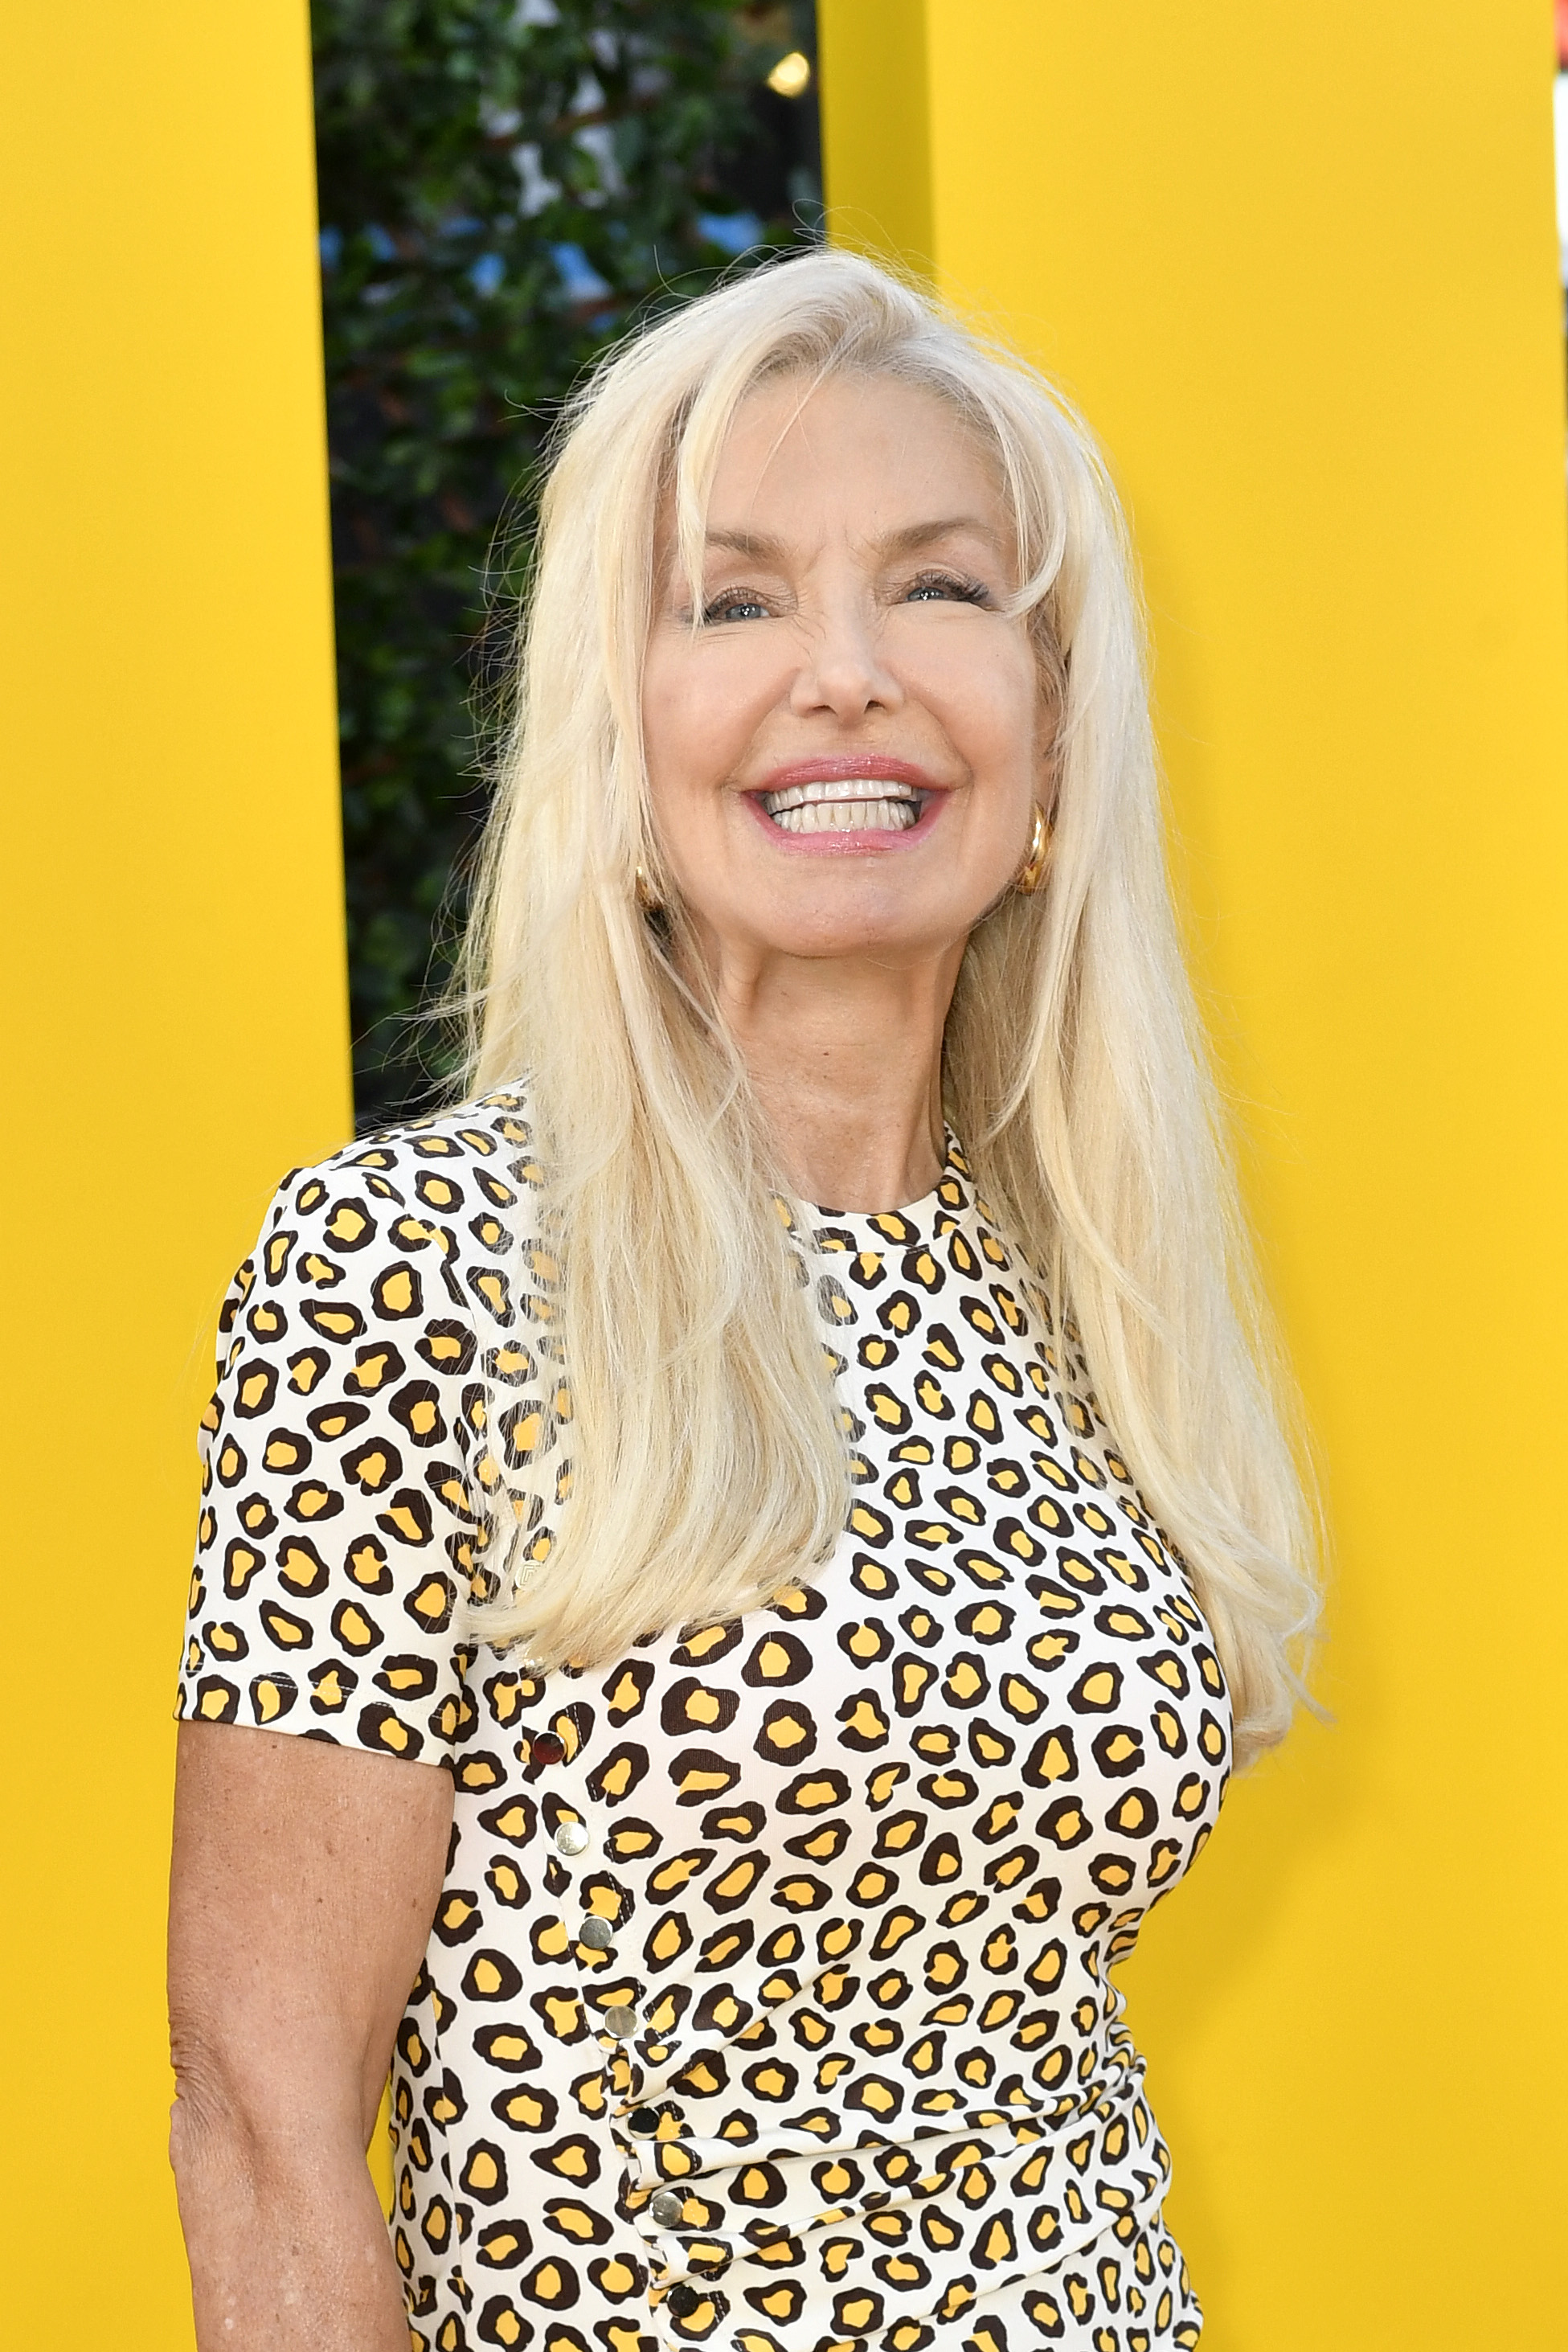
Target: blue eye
(738,608)
(946,588)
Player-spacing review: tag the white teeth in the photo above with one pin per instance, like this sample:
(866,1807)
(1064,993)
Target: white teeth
(838,788)
(848,817)
(845,804)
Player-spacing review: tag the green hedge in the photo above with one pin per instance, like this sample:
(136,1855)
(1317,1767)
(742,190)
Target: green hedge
(505,184)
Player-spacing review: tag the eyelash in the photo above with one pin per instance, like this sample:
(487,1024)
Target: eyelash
(965,590)
(731,597)
(962,590)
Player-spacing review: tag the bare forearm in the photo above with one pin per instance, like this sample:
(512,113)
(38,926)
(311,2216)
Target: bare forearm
(288,2244)
(304,1885)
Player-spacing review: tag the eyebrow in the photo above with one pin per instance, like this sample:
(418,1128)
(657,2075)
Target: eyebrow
(907,541)
(921,534)
(746,542)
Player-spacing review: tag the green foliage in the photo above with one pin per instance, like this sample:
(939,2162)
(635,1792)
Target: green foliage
(463,145)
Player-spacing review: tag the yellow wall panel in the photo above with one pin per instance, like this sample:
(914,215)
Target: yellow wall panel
(874,75)
(174,1024)
(1298,268)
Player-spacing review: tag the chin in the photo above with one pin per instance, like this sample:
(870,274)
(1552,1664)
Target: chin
(845,932)
(841,912)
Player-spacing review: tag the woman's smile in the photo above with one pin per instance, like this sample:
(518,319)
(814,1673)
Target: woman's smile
(777,911)
(846,665)
(859,804)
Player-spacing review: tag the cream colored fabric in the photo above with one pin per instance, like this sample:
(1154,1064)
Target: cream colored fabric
(843,2063)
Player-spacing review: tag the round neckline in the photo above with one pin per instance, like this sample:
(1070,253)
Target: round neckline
(946,1198)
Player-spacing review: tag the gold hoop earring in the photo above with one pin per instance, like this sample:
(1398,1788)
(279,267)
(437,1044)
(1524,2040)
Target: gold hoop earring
(1031,872)
(645,898)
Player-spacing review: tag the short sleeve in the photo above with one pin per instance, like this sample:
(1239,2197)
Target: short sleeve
(340,1528)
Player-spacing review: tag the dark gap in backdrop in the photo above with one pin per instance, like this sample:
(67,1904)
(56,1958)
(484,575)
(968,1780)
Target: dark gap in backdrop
(504,186)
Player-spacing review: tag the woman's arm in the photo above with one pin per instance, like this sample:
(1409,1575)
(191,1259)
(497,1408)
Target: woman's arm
(305,1881)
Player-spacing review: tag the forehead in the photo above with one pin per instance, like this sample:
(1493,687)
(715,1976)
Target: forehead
(870,449)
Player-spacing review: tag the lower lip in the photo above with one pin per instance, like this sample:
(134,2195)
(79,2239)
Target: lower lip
(874,841)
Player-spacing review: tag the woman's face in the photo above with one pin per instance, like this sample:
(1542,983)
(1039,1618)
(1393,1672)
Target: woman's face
(845,759)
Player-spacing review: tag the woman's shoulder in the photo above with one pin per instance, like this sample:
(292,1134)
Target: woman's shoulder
(462,1178)
(394,1287)
(430,1229)
(474,1154)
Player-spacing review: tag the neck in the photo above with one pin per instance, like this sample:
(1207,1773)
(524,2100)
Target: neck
(846,1062)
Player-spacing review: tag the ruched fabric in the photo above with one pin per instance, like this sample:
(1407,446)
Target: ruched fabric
(767,2002)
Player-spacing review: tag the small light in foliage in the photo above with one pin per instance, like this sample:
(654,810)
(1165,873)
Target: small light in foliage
(506,188)
(791,74)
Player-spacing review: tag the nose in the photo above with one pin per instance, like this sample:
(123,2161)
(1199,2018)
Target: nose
(843,670)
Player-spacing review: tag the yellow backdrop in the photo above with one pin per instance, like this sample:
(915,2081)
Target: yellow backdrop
(175,1030)
(1298,265)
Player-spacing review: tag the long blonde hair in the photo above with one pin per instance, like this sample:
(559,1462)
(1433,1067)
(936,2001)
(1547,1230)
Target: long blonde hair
(708,1465)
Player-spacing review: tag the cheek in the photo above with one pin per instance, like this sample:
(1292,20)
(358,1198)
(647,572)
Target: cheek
(987,699)
(675,721)
(699,714)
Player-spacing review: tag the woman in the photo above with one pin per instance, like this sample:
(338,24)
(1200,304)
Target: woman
(758,1660)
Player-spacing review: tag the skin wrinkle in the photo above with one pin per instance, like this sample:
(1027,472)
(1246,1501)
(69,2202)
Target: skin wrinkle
(835,972)
(305,1882)
(905,542)
(307,1876)
(304,1906)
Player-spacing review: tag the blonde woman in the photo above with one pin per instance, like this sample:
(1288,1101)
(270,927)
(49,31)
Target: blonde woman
(770,1516)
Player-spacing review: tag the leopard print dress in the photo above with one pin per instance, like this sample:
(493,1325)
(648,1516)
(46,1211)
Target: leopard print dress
(766,2004)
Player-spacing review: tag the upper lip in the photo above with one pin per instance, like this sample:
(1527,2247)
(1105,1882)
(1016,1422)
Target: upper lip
(837,767)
